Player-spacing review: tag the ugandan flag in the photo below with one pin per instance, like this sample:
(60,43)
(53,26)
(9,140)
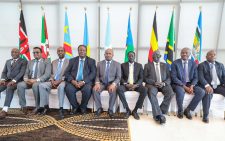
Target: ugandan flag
(23,39)
(170,44)
(154,40)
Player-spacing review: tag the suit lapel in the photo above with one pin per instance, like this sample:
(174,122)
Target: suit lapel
(217,70)
(181,68)
(162,71)
(189,67)
(103,68)
(153,66)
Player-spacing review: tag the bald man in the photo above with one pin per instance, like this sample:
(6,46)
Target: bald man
(184,77)
(56,81)
(12,74)
(212,80)
(107,78)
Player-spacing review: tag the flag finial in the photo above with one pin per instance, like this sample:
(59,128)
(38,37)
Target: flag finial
(85,9)
(66,7)
(130,9)
(156,7)
(174,7)
(200,7)
(42,8)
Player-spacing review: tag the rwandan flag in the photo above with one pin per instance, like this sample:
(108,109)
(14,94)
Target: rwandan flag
(197,45)
(85,39)
(67,42)
(154,40)
(170,44)
(129,42)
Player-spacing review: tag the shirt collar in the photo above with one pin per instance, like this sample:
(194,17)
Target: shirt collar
(131,63)
(184,61)
(156,63)
(15,59)
(62,59)
(82,58)
(108,61)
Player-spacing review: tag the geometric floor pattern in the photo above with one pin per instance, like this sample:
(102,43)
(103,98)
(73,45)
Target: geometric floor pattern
(86,127)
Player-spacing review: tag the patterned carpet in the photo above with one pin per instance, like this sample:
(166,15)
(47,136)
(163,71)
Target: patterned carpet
(19,127)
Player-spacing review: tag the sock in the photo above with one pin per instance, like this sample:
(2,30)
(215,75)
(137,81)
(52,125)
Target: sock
(5,108)
(61,108)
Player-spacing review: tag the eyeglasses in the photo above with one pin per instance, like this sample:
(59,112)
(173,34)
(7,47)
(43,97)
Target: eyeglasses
(36,52)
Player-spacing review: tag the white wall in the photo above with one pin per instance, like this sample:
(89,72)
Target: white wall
(186,16)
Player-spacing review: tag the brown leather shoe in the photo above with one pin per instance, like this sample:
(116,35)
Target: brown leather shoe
(3,114)
(24,110)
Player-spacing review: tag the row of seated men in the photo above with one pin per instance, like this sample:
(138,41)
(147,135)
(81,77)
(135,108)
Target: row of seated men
(81,74)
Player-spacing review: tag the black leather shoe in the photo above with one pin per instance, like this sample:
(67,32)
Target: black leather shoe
(162,119)
(74,111)
(98,112)
(127,114)
(135,115)
(36,111)
(111,114)
(180,115)
(45,111)
(205,119)
(83,111)
(61,114)
(187,114)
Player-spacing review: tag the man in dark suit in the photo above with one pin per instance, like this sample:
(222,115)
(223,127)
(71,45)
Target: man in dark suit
(12,73)
(80,75)
(212,80)
(38,70)
(184,77)
(131,80)
(107,78)
(157,78)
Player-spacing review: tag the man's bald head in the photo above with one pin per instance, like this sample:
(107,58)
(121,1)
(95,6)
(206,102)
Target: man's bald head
(109,54)
(15,53)
(211,56)
(185,53)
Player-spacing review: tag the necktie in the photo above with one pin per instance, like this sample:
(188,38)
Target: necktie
(59,69)
(36,70)
(107,72)
(13,63)
(80,71)
(213,75)
(185,73)
(158,78)
(131,75)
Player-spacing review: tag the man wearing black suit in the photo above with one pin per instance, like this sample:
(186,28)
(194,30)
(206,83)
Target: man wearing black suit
(80,76)
(184,77)
(212,79)
(12,74)
(157,79)
(131,80)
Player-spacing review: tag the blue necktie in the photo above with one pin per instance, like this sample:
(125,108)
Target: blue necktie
(59,69)
(107,72)
(80,71)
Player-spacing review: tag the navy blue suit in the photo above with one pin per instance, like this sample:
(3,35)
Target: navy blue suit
(89,73)
(177,76)
(206,78)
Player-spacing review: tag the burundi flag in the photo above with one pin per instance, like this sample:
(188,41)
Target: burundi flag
(154,40)
(170,44)
(85,39)
(23,39)
(108,34)
(197,45)
(44,39)
(67,43)
(129,41)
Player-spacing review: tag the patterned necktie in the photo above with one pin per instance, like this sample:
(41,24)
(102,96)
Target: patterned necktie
(13,63)
(36,70)
(80,71)
(59,69)
(213,75)
(107,72)
(158,73)
(185,73)
(131,75)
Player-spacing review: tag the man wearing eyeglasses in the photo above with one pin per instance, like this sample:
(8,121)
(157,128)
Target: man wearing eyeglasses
(12,73)
(157,79)
(38,70)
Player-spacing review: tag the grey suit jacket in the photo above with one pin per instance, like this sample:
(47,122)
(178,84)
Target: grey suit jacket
(44,71)
(150,74)
(114,73)
(15,72)
(55,66)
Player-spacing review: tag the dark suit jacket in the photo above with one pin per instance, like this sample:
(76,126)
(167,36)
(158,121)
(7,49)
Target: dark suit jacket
(89,71)
(177,72)
(16,72)
(150,74)
(138,73)
(205,76)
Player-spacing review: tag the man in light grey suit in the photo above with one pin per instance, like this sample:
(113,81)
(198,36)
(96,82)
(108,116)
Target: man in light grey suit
(38,70)
(157,79)
(108,78)
(55,82)
(12,73)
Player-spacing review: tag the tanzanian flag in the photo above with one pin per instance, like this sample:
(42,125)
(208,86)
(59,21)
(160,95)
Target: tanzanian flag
(154,40)
(170,44)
